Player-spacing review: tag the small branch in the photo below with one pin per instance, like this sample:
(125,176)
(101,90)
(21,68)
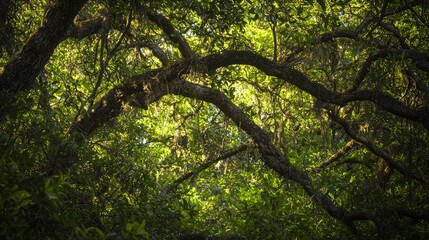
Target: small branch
(103,65)
(349,146)
(273,25)
(156,51)
(103,61)
(419,83)
(326,37)
(207,164)
(395,32)
(372,147)
(168,28)
(364,70)
(380,17)
(422,20)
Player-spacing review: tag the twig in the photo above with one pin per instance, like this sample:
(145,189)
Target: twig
(349,146)
(193,174)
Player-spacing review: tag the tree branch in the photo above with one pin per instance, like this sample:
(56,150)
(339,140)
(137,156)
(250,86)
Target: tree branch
(214,61)
(156,51)
(150,87)
(364,70)
(372,147)
(155,84)
(209,162)
(353,34)
(19,74)
(349,146)
(170,31)
(315,89)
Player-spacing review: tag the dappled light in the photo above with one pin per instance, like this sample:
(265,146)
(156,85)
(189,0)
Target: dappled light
(235,119)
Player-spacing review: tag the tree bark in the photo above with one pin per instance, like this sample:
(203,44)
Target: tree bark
(19,74)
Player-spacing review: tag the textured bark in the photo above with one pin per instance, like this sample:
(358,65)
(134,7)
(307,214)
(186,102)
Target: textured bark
(19,74)
(315,89)
(145,84)
(148,88)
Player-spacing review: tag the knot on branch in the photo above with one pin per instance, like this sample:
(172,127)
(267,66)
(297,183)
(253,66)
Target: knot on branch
(139,100)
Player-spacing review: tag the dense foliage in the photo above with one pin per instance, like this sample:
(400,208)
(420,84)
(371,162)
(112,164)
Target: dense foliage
(234,119)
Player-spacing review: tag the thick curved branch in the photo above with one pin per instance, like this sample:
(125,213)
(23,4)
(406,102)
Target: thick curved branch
(171,32)
(148,87)
(19,74)
(157,84)
(317,90)
(214,61)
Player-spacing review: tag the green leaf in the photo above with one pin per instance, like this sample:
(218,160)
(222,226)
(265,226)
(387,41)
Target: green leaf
(322,4)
